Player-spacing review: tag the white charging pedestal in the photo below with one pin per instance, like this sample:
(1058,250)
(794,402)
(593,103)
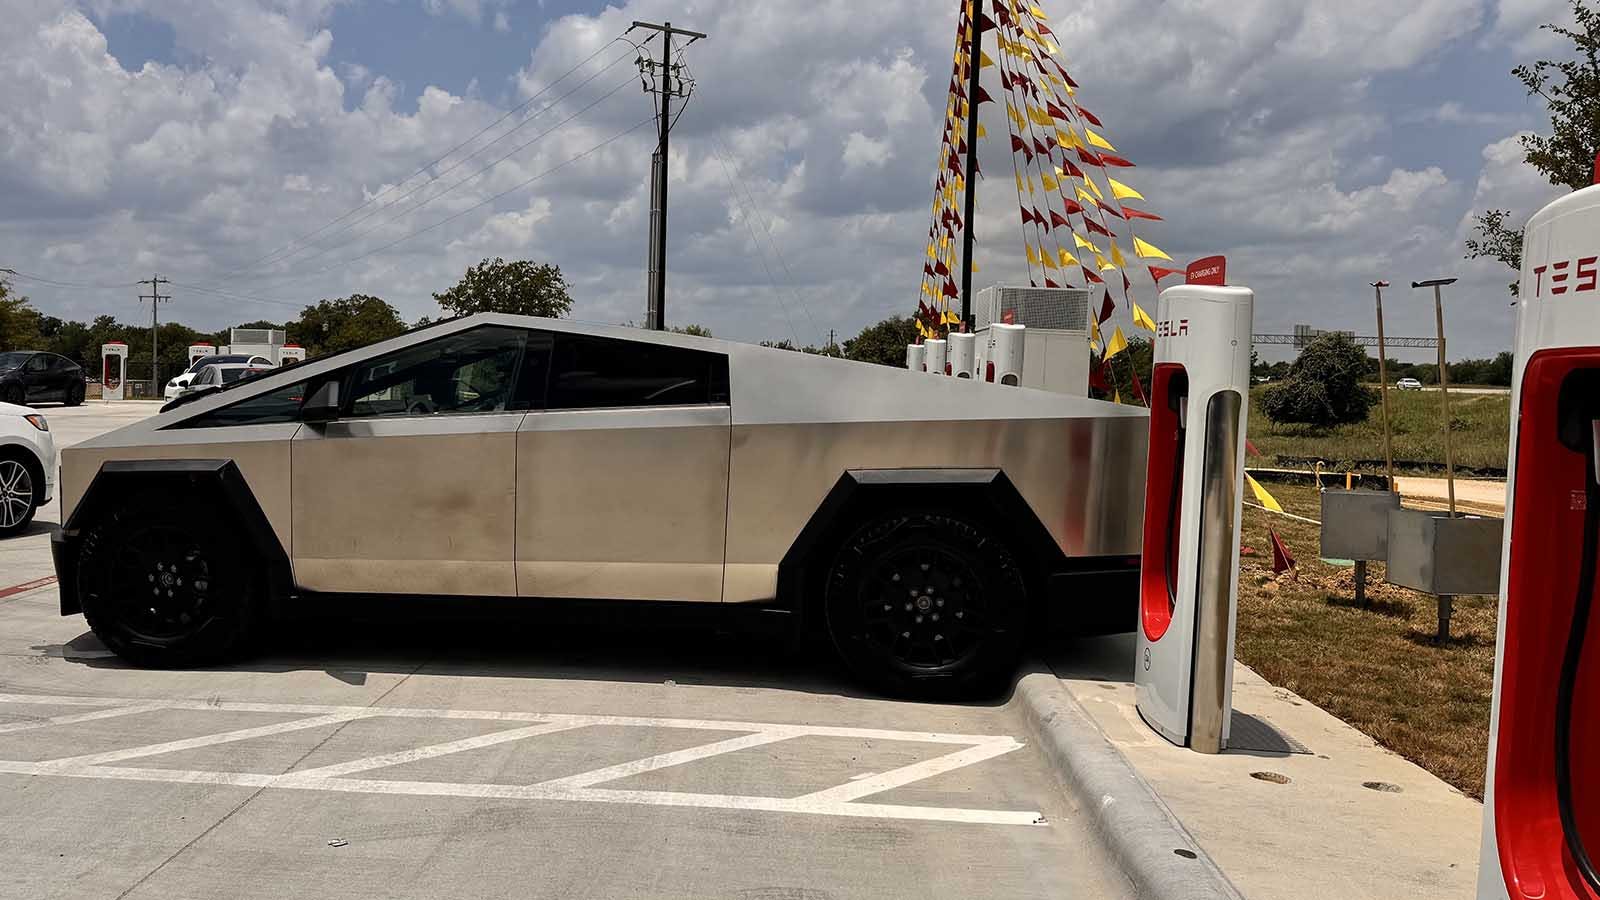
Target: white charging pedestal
(937,355)
(962,348)
(915,356)
(113,370)
(1190,576)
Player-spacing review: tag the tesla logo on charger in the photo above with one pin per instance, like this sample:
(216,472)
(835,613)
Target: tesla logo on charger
(1575,275)
(1169,328)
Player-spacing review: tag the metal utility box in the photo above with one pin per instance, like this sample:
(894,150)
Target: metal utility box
(1056,344)
(1435,554)
(1355,524)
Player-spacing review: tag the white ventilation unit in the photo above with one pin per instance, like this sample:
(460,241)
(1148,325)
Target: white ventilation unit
(1056,343)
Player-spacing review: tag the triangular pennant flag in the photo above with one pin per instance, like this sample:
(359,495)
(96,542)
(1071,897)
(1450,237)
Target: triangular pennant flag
(1059,220)
(951,317)
(1097,228)
(1109,160)
(1095,188)
(1049,183)
(1262,497)
(1088,157)
(1157,273)
(1117,344)
(1116,257)
(1110,211)
(1122,191)
(1041,148)
(985,62)
(1282,560)
(1049,283)
(1097,141)
(982,132)
(1131,213)
(1142,318)
(1067,259)
(1039,217)
(1097,378)
(1073,207)
(1046,261)
(1138,387)
(1032,256)
(1117,398)
(1107,307)
(1090,117)
(950,289)
(1147,250)
(1089,274)
(1082,243)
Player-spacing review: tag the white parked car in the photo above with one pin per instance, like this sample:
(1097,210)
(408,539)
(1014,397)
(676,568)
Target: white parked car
(1408,384)
(175,386)
(27,466)
(214,376)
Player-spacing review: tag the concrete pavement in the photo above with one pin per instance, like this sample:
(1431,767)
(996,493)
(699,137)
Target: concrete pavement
(1303,806)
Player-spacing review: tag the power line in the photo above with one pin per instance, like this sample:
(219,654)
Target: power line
(431,163)
(237,296)
(117,286)
(427,200)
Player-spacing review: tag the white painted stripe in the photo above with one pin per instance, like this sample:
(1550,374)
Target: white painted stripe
(433,751)
(74,718)
(799,805)
(624,721)
(663,760)
(208,740)
(905,775)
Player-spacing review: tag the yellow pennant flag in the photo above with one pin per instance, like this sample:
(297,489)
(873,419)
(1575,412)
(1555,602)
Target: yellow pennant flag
(1262,497)
(1055,79)
(1067,259)
(1048,182)
(1032,256)
(1038,14)
(1116,255)
(931,253)
(1066,139)
(1013,115)
(1142,318)
(975,266)
(1094,331)
(1097,140)
(921,328)
(984,61)
(984,132)
(951,317)
(1084,195)
(1039,116)
(926,289)
(1045,260)
(1019,184)
(1118,396)
(1148,251)
(1101,262)
(1117,344)
(1082,244)
(1122,191)
(1094,187)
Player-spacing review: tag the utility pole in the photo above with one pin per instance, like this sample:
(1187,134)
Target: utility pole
(974,54)
(662,78)
(1383,389)
(1444,387)
(156,298)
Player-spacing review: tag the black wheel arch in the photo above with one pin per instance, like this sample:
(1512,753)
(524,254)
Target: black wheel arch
(217,489)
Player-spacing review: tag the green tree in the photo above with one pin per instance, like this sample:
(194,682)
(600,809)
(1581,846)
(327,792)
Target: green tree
(883,343)
(353,321)
(521,288)
(1570,89)
(693,330)
(19,321)
(1324,385)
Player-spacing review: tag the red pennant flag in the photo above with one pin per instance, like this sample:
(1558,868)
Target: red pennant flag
(1132,213)
(1049,283)
(1088,157)
(1039,217)
(1089,274)
(1102,205)
(950,288)
(1106,308)
(954,164)
(1110,160)
(1017,144)
(1282,559)
(1251,448)
(1074,208)
(940,269)
(1027,217)
(927,270)
(1068,168)
(1098,380)
(1097,228)
(983,96)
(957,89)
(961,147)
(1054,111)
(1041,148)
(1138,389)
(984,22)
(1093,120)
(1043,28)
(1058,220)
(1001,13)
(1158,273)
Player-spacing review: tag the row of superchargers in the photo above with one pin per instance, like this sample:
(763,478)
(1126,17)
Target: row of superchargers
(1541,824)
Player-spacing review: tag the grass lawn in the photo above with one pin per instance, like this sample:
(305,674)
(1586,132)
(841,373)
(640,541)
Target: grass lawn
(1480,429)
(1379,668)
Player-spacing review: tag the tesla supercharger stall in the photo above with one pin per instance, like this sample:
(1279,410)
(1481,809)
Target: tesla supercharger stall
(198,352)
(963,346)
(113,370)
(937,355)
(1541,828)
(289,354)
(915,356)
(1006,346)
(1195,478)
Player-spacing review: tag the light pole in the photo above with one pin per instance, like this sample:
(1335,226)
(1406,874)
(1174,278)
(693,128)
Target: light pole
(1444,384)
(1383,385)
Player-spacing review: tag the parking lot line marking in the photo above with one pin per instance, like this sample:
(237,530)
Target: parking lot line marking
(664,760)
(74,718)
(208,740)
(417,754)
(27,586)
(905,775)
(797,805)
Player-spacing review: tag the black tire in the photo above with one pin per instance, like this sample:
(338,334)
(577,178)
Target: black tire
(161,591)
(927,604)
(21,490)
(13,393)
(74,394)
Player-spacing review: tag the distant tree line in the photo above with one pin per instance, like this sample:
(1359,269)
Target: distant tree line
(1495,372)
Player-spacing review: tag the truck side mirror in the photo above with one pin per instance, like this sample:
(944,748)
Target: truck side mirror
(323,405)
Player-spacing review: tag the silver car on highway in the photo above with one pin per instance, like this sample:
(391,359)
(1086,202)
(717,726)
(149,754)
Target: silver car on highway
(925,525)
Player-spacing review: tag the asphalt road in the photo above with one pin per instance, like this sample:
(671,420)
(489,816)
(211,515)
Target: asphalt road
(402,756)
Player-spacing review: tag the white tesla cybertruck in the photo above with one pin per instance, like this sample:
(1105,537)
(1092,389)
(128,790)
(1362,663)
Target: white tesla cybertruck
(926,525)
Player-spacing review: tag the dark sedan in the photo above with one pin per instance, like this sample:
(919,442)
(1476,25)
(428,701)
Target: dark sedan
(34,376)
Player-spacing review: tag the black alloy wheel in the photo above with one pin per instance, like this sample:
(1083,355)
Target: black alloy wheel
(927,604)
(74,394)
(160,592)
(13,393)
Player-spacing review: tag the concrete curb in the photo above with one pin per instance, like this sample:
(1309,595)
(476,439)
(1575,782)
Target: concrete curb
(1147,841)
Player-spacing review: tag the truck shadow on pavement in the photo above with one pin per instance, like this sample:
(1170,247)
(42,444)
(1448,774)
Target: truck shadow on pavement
(556,641)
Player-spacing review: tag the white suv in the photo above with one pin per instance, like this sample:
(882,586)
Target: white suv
(27,466)
(175,387)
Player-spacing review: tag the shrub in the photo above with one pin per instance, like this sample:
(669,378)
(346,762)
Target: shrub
(1323,387)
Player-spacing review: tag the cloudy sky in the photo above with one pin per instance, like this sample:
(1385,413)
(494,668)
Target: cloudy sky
(230,146)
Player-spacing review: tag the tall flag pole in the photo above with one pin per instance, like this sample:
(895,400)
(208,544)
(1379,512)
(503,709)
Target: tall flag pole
(975,21)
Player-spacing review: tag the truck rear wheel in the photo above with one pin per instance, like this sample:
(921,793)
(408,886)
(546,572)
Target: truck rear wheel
(161,591)
(927,604)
